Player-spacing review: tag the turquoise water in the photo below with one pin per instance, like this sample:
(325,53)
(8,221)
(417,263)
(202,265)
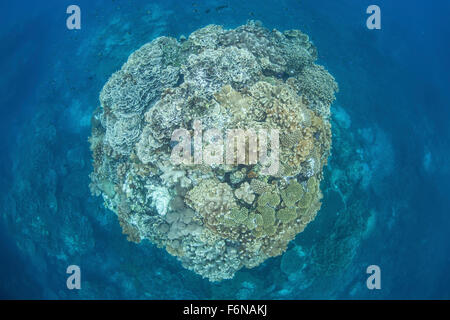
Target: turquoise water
(385,187)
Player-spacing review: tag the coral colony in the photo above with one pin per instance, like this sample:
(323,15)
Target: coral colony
(174,103)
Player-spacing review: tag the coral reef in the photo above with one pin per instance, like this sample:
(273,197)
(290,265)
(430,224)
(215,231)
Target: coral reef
(216,219)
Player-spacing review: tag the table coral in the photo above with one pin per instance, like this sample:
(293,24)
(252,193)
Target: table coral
(216,218)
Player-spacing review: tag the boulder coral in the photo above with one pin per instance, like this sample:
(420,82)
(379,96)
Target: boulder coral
(216,219)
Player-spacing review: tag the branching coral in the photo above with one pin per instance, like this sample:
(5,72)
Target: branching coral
(215,218)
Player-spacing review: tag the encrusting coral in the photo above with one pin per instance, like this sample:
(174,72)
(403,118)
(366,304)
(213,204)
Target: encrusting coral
(215,218)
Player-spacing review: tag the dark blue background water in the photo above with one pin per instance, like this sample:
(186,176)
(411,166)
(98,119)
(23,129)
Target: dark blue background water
(392,108)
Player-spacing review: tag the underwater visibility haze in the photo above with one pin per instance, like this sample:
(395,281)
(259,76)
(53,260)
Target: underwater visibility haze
(119,159)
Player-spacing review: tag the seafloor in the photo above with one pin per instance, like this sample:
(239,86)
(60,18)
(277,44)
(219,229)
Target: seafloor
(385,188)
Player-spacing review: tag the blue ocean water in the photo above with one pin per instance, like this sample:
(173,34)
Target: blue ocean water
(385,189)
